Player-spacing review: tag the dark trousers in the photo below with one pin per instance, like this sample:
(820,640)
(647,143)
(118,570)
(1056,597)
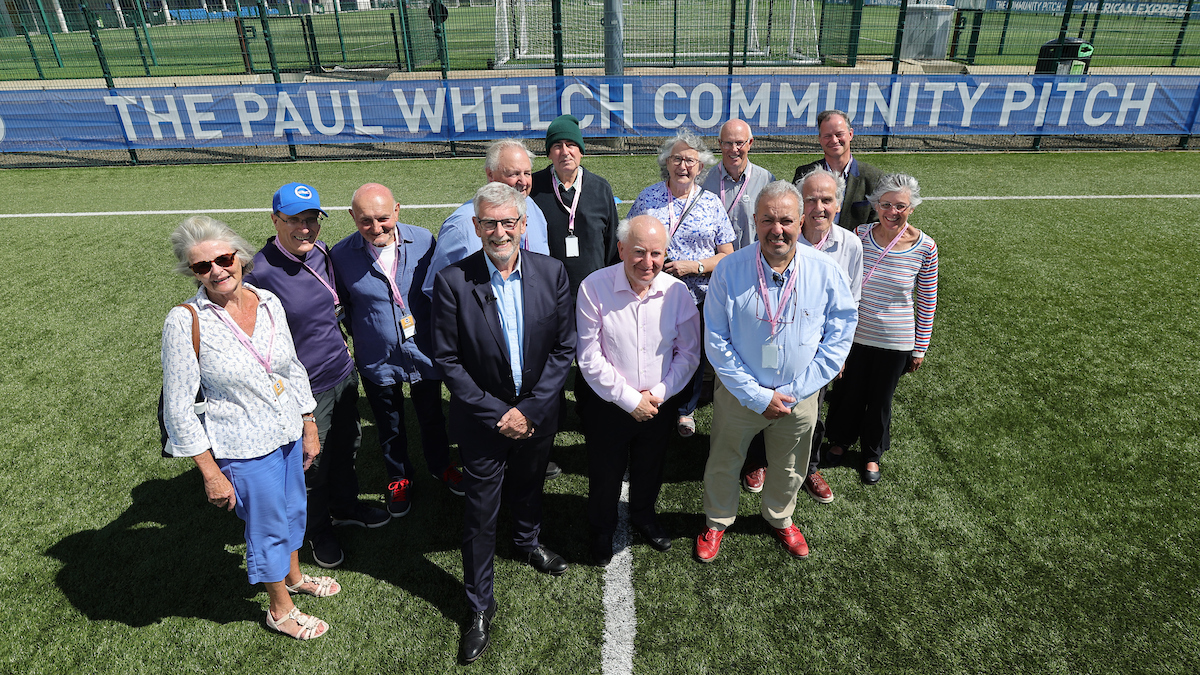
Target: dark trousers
(331,479)
(496,467)
(615,442)
(387,403)
(689,398)
(756,455)
(860,405)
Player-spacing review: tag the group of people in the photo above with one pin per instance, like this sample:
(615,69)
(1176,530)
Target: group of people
(778,288)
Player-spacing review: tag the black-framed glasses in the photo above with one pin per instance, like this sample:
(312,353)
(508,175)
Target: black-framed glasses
(688,162)
(204,266)
(490,224)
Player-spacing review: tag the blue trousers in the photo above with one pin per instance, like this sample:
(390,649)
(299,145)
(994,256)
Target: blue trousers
(271,501)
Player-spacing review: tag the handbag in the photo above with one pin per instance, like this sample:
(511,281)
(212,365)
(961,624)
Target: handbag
(201,404)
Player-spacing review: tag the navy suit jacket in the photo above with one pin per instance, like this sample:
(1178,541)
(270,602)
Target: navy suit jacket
(470,347)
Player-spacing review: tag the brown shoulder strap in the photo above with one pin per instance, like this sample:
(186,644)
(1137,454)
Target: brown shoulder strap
(195,329)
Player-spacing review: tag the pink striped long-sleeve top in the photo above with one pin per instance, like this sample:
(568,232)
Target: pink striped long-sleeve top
(898,301)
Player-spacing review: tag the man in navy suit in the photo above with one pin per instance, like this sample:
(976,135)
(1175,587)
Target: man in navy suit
(504,337)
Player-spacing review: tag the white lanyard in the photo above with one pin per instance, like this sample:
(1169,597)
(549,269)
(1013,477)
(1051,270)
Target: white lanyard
(245,339)
(287,254)
(885,252)
(788,287)
(574,202)
(390,274)
(745,182)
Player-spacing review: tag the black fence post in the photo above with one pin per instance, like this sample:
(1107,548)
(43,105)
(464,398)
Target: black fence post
(32,52)
(396,42)
(732,31)
(1004,31)
(141,52)
(50,34)
(899,45)
(556,17)
(855,31)
(266,26)
(337,18)
(402,5)
(90,20)
(973,43)
(1096,21)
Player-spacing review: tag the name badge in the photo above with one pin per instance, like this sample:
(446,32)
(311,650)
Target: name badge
(408,325)
(339,313)
(572,246)
(279,389)
(770,356)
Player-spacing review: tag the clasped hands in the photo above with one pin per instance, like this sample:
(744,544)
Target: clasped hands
(515,425)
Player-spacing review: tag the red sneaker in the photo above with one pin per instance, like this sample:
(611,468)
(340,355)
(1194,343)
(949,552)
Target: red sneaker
(818,489)
(753,481)
(452,477)
(397,499)
(793,542)
(708,544)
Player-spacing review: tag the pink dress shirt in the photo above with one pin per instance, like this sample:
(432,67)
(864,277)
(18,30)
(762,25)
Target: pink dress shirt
(628,344)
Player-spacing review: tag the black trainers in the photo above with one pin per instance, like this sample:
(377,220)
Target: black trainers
(363,516)
(552,471)
(326,551)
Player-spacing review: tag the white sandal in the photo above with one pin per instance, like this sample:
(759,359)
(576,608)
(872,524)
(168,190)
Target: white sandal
(310,626)
(326,586)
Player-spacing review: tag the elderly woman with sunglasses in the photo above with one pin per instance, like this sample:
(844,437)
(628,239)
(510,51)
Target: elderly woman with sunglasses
(255,436)
(698,230)
(895,321)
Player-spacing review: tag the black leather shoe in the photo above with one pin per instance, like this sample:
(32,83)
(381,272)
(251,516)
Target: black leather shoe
(478,635)
(870,477)
(655,537)
(552,471)
(544,560)
(601,547)
(830,460)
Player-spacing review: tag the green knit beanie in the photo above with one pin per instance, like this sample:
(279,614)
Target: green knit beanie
(564,128)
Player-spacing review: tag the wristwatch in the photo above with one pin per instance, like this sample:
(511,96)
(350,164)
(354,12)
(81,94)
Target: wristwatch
(701,268)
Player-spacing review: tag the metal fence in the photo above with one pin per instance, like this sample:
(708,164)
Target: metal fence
(54,39)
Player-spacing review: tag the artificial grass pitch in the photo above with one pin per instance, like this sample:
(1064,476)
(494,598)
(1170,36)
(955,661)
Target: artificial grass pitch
(1037,514)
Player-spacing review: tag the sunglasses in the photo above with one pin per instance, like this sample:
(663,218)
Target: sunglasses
(204,266)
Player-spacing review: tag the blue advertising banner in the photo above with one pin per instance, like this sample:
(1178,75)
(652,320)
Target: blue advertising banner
(1170,10)
(436,110)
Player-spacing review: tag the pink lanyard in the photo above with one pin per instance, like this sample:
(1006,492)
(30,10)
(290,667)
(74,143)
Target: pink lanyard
(687,204)
(745,182)
(773,319)
(574,202)
(390,275)
(245,339)
(824,239)
(885,252)
(287,254)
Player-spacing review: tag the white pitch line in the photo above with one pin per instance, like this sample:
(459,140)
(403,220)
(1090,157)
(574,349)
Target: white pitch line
(179,212)
(620,614)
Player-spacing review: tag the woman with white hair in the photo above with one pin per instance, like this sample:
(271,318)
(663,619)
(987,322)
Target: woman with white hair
(895,322)
(256,435)
(698,231)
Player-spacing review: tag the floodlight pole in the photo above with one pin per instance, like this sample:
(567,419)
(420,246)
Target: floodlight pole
(614,38)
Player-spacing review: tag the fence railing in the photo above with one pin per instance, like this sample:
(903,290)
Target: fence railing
(371,39)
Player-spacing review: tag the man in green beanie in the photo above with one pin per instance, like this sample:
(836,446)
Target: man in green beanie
(581,214)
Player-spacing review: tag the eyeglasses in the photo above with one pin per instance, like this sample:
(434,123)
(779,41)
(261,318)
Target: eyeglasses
(888,206)
(735,145)
(204,266)
(490,225)
(297,221)
(688,162)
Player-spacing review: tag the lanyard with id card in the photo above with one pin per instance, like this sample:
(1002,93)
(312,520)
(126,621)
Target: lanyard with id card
(406,321)
(276,380)
(770,352)
(571,242)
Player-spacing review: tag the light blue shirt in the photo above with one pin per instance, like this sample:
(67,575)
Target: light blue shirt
(457,239)
(813,339)
(510,305)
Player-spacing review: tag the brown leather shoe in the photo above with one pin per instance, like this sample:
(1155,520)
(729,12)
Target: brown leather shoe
(793,542)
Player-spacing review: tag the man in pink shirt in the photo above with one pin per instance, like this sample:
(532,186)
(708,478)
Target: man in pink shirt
(639,343)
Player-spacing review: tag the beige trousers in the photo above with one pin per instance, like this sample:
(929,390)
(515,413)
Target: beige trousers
(788,442)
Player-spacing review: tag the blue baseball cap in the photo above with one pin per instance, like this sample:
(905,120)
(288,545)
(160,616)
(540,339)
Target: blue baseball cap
(296,198)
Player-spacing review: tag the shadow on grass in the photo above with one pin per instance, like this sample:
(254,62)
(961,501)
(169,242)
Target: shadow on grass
(167,555)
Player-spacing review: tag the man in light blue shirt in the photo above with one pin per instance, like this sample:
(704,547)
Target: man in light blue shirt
(508,161)
(780,319)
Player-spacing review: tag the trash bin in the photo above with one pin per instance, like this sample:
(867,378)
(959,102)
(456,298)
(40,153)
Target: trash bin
(1074,59)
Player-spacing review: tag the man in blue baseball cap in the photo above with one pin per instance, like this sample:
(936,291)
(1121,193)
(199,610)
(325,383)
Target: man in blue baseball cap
(296,266)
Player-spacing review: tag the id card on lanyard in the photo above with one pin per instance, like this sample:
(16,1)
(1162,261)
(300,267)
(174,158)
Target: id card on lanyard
(338,312)
(771,351)
(265,362)
(736,198)
(406,321)
(572,242)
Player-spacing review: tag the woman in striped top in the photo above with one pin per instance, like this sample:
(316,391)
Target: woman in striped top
(895,320)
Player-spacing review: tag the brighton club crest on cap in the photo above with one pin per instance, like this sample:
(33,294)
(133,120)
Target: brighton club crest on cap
(296,198)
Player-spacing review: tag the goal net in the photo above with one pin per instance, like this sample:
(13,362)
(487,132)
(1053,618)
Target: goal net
(659,32)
